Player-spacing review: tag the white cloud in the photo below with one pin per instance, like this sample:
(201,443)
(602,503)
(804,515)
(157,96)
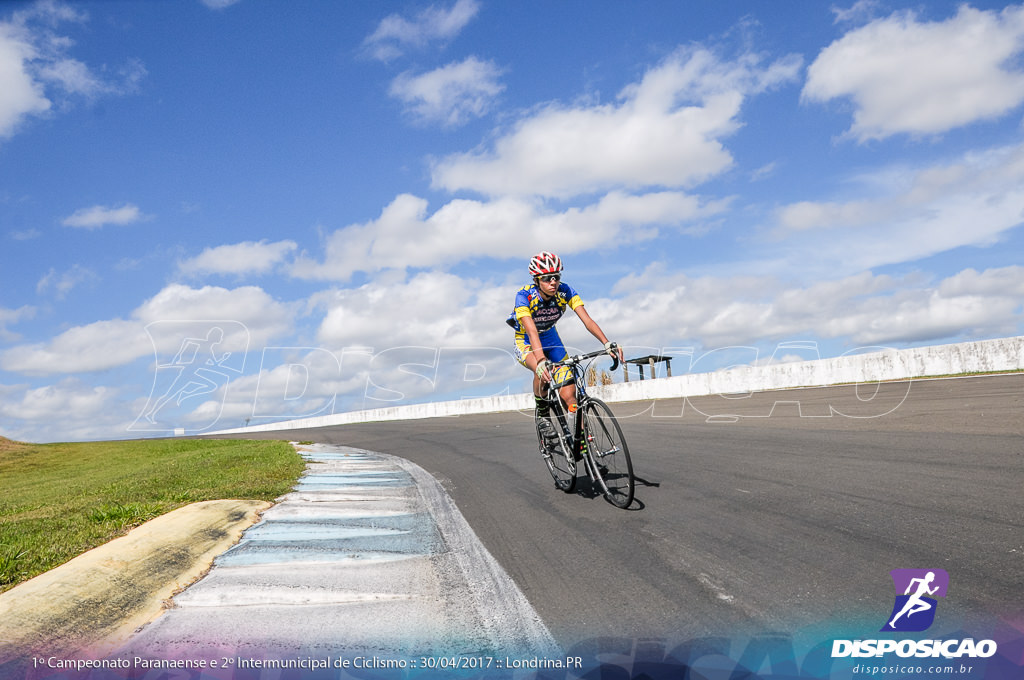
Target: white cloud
(73,75)
(49,13)
(922,78)
(417,349)
(249,257)
(430,309)
(1003,282)
(405,236)
(25,234)
(69,398)
(910,213)
(63,282)
(861,11)
(917,316)
(35,68)
(319,381)
(98,216)
(296,382)
(13,316)
(378,341)
(665,131)
(20,94)
(94,347)
(107,344)
(219,4)
(69,410)
(262,316)
(450,95)
(396,33)
(659,307)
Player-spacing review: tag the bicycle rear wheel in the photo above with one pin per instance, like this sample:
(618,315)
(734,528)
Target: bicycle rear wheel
(606,448)
(554,448)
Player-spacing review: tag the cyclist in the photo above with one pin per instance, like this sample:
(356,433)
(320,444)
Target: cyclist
(538,307)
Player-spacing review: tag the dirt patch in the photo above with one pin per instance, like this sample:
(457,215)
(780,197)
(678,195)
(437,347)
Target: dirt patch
(9,445)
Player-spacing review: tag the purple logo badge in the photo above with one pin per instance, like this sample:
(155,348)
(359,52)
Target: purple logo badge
(916,590)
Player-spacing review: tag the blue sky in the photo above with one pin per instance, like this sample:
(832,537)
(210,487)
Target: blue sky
(214,212)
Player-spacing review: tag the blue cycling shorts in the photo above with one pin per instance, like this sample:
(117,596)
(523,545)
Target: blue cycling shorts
(554,350)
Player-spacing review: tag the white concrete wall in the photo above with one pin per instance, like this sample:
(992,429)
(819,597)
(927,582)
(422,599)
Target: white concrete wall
(1005,354)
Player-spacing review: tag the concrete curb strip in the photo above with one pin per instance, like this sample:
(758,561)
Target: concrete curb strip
(95,602)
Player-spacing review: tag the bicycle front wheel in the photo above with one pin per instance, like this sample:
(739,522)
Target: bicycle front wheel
(554,449)
(606,448)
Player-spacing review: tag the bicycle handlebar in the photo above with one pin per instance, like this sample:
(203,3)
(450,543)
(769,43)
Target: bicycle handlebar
(579,358)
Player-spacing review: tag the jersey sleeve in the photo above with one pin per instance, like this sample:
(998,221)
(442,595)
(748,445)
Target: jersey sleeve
(573,298)
(523,303)
(521,309)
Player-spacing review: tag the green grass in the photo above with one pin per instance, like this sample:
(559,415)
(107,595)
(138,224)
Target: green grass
(59,500)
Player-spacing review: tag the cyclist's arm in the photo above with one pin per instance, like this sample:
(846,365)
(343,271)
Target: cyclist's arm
(595,330)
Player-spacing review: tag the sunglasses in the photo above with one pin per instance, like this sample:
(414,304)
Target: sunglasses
(548,278)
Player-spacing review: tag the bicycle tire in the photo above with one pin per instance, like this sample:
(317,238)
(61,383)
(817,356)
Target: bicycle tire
(556,455)
(607,454)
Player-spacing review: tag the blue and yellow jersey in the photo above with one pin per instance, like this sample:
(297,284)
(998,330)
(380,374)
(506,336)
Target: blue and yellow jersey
(529,302)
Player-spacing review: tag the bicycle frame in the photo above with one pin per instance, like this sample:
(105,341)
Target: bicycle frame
(581,399)
(593,437)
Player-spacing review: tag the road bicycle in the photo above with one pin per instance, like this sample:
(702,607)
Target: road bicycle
(593,437)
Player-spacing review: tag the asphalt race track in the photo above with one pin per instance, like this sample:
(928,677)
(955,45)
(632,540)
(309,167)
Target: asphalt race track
(767,512)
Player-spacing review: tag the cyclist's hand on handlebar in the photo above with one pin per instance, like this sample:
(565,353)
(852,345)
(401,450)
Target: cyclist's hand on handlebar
(544,370)
(614,350)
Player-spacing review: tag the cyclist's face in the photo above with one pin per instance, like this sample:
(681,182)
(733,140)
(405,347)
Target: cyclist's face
(548,284)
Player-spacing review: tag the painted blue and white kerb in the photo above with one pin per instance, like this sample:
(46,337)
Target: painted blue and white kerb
(368,554)
(323,534)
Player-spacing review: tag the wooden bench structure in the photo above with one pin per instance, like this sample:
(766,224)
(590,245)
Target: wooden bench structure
(650,360)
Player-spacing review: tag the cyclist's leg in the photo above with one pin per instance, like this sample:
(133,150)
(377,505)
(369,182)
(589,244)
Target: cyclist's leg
(525,357)
(563,380)
(554,350)
(551,425)
(568,395)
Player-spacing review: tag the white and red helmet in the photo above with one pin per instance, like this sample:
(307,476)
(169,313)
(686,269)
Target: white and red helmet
(545,263)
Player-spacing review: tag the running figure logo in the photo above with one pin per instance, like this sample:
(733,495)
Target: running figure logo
(190,385)
(916,590)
